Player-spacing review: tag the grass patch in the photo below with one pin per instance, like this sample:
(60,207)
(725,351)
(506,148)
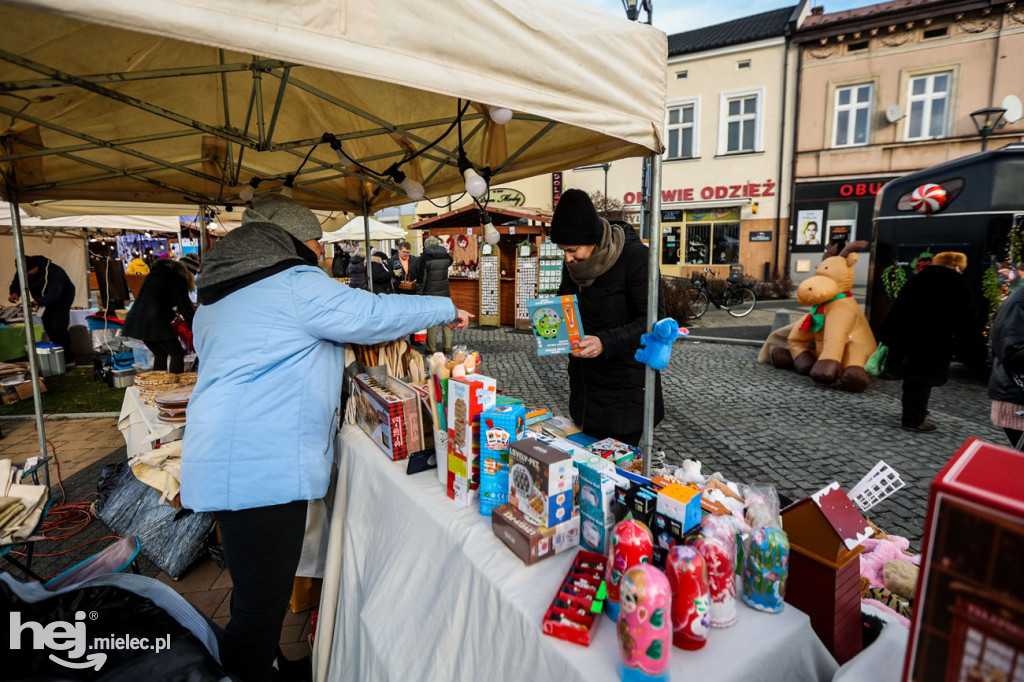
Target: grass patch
(76,391)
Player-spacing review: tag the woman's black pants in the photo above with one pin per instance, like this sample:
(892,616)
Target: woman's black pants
(161,350)
(262,548)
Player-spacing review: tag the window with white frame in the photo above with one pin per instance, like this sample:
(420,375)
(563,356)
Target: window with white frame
(740,125)
(928,105)
(852,115)
(682,130)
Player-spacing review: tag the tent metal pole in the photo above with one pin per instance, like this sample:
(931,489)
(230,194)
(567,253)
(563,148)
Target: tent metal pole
(202,232)
(366,228)
(30,341)
(653,291)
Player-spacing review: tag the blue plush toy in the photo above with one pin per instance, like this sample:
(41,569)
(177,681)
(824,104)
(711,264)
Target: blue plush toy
(656,347)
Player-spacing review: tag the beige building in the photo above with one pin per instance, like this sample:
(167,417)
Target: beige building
(726,176)
(889,89)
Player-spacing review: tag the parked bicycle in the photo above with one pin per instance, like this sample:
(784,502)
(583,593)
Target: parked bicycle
(737,299)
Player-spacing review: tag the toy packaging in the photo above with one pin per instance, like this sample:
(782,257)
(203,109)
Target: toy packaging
(765,569)
(680,502)
(556,324)
(388,412)
(618,452)
(645,624)
(468,396)
(499,426)
(529,542)
(544,435)
(561,426)
(540,482)
(574,611)
(536,414)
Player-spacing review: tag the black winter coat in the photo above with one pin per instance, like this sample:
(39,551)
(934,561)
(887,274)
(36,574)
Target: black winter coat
(1007,339)
(380,270)
(164,289)
(357,272)
(606,393)
(50,286)
(433,279)
(414,274)
(932,309)
(339,264)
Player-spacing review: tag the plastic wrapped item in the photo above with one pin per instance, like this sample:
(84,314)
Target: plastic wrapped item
(171,538)
(765,569)
(645,624)
(762,506)
(690,472)
(718,547)
(691,597)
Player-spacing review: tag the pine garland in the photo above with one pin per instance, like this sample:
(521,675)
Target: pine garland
(893,279)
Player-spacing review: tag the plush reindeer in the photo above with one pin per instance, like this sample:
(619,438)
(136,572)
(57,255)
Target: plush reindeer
(842,338)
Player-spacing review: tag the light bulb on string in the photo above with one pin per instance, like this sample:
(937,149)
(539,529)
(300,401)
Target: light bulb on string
(286,188)
(476,186)
(249,191)
(410,187)
(500,115)
(344,159)
(491,234)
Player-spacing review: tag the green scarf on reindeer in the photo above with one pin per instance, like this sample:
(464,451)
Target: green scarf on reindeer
(815,320)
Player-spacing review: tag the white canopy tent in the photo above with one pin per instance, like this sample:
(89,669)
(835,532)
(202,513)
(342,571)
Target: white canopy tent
(356,229)
(184,101)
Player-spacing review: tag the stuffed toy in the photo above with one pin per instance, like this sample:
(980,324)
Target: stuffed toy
(900,577)
(656,347)
(842,339)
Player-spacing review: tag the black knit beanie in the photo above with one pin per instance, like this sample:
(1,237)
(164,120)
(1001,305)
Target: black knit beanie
(575,221)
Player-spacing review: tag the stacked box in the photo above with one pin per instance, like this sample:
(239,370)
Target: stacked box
(639,500)
(499,426)
(618,452)
(597,501)
(380,412)
(667,534)
(680,502)
(540,482)
(529,542)
(468,396)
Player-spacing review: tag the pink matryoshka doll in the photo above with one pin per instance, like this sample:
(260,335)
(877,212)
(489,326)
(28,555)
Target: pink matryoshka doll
(645,625)
(718,557)
(691,598)
(632,544)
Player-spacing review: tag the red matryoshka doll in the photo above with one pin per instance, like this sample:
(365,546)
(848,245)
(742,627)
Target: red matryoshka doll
(691,597)
(720,561)
(645,625)
(632,544)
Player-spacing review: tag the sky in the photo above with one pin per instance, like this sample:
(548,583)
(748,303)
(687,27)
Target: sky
(677,16)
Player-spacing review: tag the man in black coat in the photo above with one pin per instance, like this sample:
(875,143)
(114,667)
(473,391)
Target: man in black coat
(50,287)
(606,267)
(434,264)
(164,293)
(932,309)
(406,269)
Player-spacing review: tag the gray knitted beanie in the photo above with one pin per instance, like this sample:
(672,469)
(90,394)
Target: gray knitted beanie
(287,214)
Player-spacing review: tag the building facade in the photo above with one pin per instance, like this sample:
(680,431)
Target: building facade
(889,89)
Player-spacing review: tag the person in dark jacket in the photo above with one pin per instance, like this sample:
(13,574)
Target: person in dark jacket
(1006,383)
(433,281)
(164,290)
(339,264)
(356,271)
(380,271)
(111,282)
(406,270)
(932,309)
(51,288)
(606,267)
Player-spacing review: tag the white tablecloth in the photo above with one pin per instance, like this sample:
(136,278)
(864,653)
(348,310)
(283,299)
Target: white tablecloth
(141,428)
(418,588)
(78,316)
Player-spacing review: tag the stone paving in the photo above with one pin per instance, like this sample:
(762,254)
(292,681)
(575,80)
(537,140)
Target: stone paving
(755,423)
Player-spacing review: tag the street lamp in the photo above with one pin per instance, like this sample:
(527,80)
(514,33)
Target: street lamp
(633,10)
(987,120)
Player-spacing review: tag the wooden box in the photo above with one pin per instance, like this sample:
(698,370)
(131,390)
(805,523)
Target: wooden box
(969,620)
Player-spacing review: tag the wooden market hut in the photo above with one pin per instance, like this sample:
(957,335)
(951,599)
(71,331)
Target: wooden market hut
(494,284)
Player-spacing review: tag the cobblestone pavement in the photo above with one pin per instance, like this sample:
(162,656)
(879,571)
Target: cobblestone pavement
(753,422)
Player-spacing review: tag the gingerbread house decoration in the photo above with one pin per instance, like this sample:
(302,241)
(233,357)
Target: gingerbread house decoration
(825,534)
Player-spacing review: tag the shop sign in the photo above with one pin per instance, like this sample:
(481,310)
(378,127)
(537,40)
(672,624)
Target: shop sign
(860,189)
(707,192)
(505,197)
(761,236)
(556,188)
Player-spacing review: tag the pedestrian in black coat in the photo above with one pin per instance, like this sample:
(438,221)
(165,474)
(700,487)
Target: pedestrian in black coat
(932,309)
(164,292)
(356,271)
(380,270)
(434,264)
(51,288)
(339,264)
(606,267)
(1006,383)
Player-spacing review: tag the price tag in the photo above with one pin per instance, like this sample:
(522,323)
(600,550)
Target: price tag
(511,229)
(469,230)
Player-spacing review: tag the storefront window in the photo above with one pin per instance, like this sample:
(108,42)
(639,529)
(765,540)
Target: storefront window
(712,237)
(698,244)
(727,244)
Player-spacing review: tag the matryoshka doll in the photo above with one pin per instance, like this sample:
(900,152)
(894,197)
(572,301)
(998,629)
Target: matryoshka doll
(691,597)
(719,558)
(645,624)
(765,568)
(632,544)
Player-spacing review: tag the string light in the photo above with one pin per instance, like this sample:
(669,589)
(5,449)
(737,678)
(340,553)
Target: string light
(344,159)
(500,115)
(476,185)
(491,235)
(249,191)
(410,187)
(289,183)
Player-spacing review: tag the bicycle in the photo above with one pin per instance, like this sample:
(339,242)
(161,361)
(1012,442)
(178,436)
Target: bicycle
(737,300)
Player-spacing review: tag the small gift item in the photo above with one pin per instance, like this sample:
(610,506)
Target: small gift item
(765,568)
(719,558)
(645,624)
(632,544)
(691,597)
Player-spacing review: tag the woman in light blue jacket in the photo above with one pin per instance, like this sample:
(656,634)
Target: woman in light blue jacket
(270,338)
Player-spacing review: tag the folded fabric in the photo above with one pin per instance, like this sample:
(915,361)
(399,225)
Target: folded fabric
(10,507)
(160,469)
(21,526)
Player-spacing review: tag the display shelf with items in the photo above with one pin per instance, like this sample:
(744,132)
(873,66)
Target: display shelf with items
(490,294)
(576,608)
(550,268)
(526,289)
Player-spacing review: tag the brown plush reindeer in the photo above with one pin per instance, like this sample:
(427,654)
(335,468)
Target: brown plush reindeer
(842,339)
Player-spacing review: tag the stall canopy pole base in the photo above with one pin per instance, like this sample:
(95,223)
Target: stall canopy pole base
(653,291)
(26,308)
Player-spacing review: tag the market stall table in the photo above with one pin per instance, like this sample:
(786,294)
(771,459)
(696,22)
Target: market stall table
(12,340)
(417,587)
(141,427)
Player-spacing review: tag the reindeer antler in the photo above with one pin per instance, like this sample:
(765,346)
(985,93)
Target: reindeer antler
(860,245)
(832,250)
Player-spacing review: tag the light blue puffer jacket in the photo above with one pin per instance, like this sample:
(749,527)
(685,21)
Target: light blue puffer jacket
(263,413)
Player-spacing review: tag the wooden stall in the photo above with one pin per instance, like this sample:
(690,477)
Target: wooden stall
(510,269)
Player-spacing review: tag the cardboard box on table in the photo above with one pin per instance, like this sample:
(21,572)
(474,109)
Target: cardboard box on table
(468,396)
(968,620)
(825,531)
(540,482)
(387,410)
(530,542)
(499,427)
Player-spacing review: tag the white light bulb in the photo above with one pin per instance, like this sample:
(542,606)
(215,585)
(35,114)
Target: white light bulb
(344,158)
(412,189)
(476,186)
(286,190)
(247,193)
(491,235)
(500,115)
